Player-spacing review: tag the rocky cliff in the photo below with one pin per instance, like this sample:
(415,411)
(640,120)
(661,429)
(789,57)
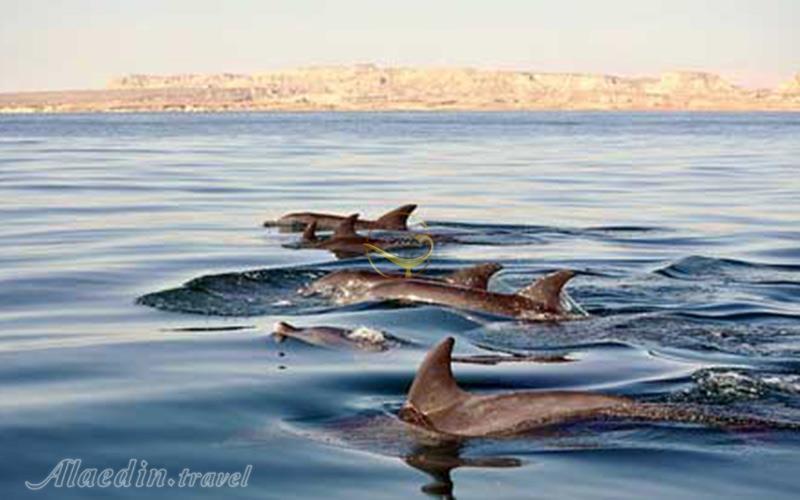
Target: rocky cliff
(368,87)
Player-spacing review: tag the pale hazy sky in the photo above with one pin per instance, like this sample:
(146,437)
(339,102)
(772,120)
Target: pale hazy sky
(64,44)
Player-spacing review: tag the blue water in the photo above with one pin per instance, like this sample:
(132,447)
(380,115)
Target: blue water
(685,227)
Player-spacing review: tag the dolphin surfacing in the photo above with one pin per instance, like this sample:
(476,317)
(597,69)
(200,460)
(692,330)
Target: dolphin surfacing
(363,339)
(351,285)
(543,300)
(393,220)
(346,242)
(436,403)
(371,340)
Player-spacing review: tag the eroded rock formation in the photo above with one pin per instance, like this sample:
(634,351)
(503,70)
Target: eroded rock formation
(369,87)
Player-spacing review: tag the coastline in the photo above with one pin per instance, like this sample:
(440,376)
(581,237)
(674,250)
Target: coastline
(368,88)
(399,110)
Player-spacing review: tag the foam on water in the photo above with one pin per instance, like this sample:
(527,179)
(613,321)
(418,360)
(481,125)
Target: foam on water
(368,335)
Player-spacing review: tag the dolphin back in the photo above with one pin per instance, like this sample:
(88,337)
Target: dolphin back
(475,276)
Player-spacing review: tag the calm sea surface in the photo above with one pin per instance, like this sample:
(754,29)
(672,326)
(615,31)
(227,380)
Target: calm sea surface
(685,227)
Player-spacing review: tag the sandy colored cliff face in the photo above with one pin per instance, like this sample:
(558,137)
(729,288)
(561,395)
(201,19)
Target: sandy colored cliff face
(792,87)
(368,87)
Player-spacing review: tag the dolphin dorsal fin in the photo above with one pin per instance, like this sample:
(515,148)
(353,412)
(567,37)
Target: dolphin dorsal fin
(310,232)
(346,228)
(434,387)
(547,290)
(475,276)
(395,220)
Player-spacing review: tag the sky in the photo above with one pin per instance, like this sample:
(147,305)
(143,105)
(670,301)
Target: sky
(73,44)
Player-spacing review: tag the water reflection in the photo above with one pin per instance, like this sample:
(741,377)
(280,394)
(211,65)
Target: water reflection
(439,461)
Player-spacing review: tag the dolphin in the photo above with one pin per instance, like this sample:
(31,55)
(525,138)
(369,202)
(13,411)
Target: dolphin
(542,300)
(370,340)
(346,242)
(346,284)
(363,339)
(436,403)
(393,220)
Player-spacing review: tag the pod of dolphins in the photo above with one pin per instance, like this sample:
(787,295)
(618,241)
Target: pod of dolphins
(435,402)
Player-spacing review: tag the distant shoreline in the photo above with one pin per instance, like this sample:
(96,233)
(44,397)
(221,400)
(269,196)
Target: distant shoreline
(367,88)
(5,112)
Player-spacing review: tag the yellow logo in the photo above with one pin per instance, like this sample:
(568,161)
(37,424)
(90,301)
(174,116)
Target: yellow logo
(405,263)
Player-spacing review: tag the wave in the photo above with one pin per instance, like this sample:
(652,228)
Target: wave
(722,386)
(672,330)
(250,293)
(698,266)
